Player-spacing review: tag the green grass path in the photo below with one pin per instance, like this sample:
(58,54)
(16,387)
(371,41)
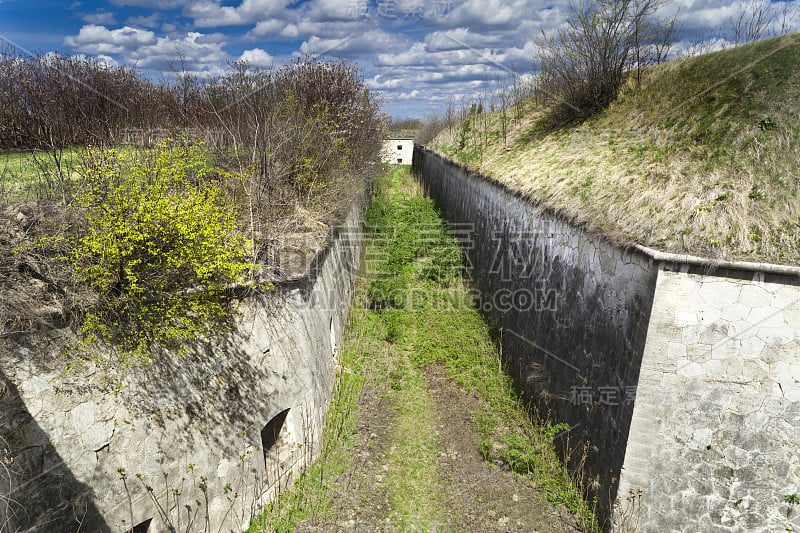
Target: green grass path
(385,461)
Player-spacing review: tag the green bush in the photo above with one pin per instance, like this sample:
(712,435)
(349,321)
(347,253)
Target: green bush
(159,247)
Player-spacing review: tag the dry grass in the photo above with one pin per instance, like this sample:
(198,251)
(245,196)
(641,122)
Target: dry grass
(703,158)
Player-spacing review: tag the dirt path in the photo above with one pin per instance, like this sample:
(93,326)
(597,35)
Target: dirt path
(483,496)
(469,493)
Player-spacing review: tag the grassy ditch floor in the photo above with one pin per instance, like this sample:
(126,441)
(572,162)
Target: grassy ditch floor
(425,432)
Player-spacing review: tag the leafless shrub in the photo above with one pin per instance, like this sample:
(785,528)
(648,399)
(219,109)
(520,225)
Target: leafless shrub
(303,137)
(751,21)
(583,66)
(430,128)
(787,17)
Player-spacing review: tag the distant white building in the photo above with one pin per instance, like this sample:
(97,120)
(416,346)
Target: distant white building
(398,151)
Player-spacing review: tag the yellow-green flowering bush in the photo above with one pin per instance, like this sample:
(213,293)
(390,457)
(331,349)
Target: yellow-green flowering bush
(160,245)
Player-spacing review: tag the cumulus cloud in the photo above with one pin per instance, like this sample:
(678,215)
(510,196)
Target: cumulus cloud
(405,96)
(333,10)
(150,21)
(193,51)
(95,39)
(257,57)
(211,14)
(108,61)
(460,38)
(325,30)
(366,43)
(266,29)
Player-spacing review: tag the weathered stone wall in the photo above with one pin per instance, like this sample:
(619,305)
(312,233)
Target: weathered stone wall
(190,430)
(710,354)
(573,308)
(715,438)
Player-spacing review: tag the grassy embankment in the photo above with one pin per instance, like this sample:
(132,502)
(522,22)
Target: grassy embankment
(411,314)
(703,158)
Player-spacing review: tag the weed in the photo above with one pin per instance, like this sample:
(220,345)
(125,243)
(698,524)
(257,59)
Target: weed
(768,124)
(724,196)
(485,447)
(756,193)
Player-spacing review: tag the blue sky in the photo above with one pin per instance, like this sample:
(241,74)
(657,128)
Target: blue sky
(417,53)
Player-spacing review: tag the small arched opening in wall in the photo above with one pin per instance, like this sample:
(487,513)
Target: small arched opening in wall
(141,527)
(272,432)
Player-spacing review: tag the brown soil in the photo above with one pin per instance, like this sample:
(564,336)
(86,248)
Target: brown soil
(476,495)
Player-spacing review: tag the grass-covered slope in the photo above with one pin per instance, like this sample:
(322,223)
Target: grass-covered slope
(702,158)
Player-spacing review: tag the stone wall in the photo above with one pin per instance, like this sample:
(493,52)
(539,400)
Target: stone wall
(715,438)
(573,308)
(183,444)
(681,375)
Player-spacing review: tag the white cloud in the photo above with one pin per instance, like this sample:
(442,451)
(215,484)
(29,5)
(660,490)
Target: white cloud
(266,29)
(94,39)
(332,10)
(481,14)
(407,96)
(100,17)
(108,61)
(326,30)
(193,51)
(257,57)
(211,14)
(150,21)
(169,52)
(460,37)
(369,42)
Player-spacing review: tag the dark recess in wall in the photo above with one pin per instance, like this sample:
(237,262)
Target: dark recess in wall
(141,527)
(271,432)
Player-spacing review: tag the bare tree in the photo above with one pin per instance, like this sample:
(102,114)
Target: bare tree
(751,21)
(504,95)
(450,114)
(583,65)
(788,18)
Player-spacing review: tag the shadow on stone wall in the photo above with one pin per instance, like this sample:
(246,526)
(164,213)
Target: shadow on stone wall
(191,420)
(573,310)
(38,492)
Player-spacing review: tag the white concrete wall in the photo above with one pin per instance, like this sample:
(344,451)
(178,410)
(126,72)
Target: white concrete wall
(715,437)
(398,151)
